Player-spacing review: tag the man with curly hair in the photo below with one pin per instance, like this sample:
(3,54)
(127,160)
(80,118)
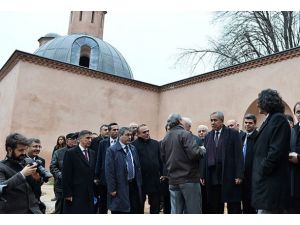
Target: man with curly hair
(270,175)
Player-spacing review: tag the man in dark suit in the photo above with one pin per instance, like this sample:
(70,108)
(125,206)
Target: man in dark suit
(270,176)
(294,163)
(223,166)
(123,176)
(19,196)
(56,167)
(248,140)
(104,133)
(33,152)
(101,186)
(78,176)
(149,156)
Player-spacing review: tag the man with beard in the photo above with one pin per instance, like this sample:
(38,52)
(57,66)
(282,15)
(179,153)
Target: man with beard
(19,195)
(56,166)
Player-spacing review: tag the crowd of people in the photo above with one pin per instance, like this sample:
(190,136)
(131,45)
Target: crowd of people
(251,171)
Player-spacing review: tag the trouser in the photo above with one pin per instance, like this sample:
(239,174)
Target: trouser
(216,204)
(270,211)
(294,205)
(154,202)
(204,199)
(165,196)
(59,203)
(185,198)
(102,202)
(135,202)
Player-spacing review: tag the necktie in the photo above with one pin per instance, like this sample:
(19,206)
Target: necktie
(245,146)
(129,161)
(216,138)
(86,155)
(113,142)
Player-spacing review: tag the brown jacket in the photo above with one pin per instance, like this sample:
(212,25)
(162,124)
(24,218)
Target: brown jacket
(181,154)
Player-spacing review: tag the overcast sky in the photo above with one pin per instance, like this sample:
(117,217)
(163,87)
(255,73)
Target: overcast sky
(149,36)
(149,41)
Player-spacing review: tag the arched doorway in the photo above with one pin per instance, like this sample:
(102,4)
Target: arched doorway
(260,117)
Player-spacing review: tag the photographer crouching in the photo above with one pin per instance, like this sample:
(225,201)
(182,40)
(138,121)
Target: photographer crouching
(18,196)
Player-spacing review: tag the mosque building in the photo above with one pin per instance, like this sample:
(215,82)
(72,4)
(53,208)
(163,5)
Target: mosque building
(79,81)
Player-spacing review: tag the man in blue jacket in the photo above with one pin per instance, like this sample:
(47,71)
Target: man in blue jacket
(123,176)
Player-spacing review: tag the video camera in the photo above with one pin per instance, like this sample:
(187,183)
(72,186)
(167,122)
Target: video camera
(45,174)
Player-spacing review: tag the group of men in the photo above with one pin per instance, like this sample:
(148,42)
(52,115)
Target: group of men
(252,171)
(256,171)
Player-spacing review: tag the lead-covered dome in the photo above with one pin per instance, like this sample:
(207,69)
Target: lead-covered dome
(87,51)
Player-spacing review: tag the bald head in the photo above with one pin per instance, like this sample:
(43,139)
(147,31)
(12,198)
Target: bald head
(233,124)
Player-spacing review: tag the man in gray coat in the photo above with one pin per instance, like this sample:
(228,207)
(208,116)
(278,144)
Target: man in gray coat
(181,154)
(18,197)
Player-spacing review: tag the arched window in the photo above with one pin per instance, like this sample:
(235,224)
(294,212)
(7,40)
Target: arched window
(85,53)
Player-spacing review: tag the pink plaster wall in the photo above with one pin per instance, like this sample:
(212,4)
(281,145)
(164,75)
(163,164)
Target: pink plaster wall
(54,102)
(231,94)
(50,102)
(8,89)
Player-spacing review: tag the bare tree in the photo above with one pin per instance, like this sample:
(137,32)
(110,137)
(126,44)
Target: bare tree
(247,35)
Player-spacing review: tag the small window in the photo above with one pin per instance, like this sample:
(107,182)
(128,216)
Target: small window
(93,14)
(85,53)
(80,16)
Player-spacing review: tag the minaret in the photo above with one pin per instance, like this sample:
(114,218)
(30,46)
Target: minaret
(88,22)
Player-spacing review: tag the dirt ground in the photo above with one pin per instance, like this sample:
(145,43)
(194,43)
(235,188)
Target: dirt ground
(48,194)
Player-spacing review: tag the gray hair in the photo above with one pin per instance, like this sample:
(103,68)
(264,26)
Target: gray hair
(34,140)
(187,120)
(122,130)
(202,126)
(218,114)
(174,120)
(84,132)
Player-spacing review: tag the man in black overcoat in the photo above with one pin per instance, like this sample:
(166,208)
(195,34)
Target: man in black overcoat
(223,167)
(270,175)
(78,177)
(151,164)
(294,163)
(100,180)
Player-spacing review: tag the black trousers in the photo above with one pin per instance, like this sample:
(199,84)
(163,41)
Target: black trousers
(246,197)
(135,201)
(204,200)
(165,196)
(216,206)
(294,205)
(154,202)
(59,203)
(102,202)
